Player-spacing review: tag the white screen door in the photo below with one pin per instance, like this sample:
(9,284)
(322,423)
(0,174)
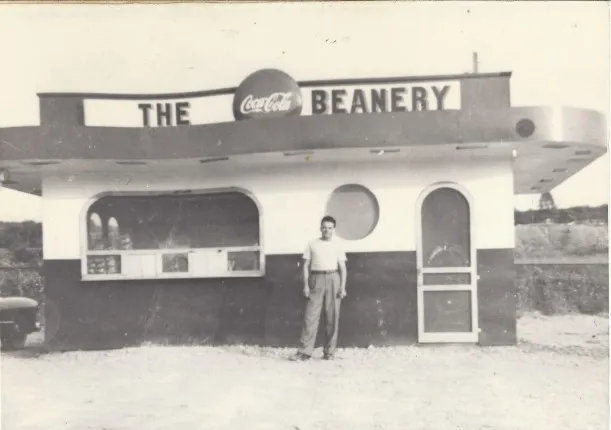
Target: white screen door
(447,267)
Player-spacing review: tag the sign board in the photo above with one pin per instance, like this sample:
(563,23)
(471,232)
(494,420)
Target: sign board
(270,93)
(385,98)
(267,93)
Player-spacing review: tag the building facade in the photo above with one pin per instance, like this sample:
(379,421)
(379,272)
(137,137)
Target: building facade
(182,218)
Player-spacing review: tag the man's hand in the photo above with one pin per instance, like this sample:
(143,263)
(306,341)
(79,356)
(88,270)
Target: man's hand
(306,292)
(342,293)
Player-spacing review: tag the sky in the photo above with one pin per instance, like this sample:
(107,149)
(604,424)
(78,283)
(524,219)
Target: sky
(558,53)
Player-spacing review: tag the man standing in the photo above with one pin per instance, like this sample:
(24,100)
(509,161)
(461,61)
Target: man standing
(324,285)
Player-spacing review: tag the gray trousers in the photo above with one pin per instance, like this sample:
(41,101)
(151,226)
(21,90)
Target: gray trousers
(324,291)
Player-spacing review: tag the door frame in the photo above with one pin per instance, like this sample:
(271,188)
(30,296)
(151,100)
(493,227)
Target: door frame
(446,337)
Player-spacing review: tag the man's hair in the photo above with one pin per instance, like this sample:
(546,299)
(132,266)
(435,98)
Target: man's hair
(330,219)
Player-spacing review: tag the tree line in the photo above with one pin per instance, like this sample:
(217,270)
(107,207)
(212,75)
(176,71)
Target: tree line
(580,214)
(548,212)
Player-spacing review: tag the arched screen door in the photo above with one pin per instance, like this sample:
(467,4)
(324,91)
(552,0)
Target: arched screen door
(447,270)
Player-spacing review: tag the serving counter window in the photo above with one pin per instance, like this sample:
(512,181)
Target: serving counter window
(210,235)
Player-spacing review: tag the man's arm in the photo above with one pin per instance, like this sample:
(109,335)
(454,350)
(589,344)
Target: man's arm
(342,276)
(306,277)
(307,256)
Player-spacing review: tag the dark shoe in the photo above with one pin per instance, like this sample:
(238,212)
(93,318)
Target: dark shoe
(328,357)
(299,357)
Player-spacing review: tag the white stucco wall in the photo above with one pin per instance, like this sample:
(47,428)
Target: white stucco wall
(293,199)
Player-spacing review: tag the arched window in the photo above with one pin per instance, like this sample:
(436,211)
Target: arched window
(192,235)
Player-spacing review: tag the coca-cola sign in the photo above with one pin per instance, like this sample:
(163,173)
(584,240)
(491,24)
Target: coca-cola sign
(267,93)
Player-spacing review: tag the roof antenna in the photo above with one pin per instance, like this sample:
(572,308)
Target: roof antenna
(475,63)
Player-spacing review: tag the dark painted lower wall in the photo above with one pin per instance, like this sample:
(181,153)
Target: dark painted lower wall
(497,297)
(380,308)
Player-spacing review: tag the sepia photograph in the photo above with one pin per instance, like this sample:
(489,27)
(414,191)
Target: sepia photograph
(305,216)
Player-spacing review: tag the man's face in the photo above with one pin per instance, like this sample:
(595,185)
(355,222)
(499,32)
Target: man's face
(327,228)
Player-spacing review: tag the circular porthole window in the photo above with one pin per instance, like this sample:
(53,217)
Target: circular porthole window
(525,127)
(356,211)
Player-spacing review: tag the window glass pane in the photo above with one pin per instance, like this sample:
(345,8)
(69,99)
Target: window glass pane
(240,261)
(220,220)
(103,264)
(356,210)
(445,229)
(175,262)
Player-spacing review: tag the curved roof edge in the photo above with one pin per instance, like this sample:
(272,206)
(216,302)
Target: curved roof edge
(549,144)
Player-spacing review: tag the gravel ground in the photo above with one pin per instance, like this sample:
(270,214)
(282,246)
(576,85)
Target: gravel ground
(557,378)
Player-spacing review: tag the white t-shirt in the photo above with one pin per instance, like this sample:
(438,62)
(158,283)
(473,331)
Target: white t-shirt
(324,255)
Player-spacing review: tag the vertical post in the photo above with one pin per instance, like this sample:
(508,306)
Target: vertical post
(475,63)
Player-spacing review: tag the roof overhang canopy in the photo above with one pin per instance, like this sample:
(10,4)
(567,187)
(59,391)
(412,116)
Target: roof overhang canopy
(415,119)
(548,144)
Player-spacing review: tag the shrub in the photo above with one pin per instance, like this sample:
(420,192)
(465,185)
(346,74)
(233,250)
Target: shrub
(560,289)
(26,282)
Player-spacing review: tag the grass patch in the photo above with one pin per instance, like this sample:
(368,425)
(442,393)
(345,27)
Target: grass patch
(561,241)
(562,289)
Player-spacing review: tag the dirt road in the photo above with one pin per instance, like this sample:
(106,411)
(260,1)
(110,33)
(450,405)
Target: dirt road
(551,384)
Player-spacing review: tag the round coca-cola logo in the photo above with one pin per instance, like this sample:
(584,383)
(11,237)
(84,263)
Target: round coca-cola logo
(267,93)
